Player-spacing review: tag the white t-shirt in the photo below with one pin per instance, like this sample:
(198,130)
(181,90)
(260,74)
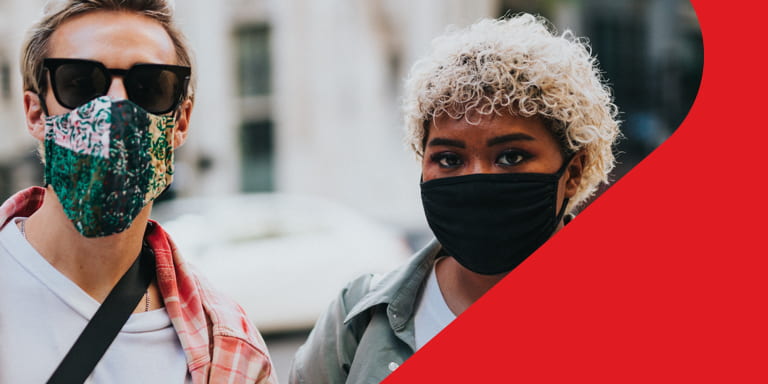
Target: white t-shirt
(42,313)
(432,313)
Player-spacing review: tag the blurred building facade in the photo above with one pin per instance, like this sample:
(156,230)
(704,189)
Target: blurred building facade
(303,96)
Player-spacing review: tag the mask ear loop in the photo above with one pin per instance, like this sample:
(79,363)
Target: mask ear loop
(565,165)
(561,215)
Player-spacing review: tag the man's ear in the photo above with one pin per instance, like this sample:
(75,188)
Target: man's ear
(35,117)
(573,174)
(182,123)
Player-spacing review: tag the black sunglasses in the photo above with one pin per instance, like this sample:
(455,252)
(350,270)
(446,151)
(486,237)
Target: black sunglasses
(158,88)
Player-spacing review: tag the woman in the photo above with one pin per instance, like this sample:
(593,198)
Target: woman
(514,128)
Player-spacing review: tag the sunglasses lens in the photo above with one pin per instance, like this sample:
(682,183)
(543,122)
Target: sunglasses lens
(78,83)
(155,89)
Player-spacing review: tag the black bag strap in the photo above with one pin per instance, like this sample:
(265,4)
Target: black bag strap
(107,322)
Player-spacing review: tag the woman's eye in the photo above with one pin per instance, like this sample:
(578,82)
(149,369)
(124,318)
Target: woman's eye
(447,160)
(511,158)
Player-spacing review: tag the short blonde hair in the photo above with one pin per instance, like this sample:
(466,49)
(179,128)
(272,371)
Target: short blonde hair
(518,65)
(35,47)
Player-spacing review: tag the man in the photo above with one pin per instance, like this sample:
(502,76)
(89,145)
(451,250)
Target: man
(108,93)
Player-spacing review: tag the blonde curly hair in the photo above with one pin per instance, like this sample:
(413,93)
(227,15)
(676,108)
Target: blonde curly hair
(518,65)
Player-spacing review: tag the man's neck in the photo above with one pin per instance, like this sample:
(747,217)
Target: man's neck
(94,264)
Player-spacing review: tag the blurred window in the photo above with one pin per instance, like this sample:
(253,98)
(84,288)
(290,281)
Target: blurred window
(5,80)
(256,128)
(253,60)
(5,183)
(652,53)
(258,153)
(619,41)
(511,7)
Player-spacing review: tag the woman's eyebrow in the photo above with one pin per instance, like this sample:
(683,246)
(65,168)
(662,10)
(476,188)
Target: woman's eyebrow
(511,137)
(447,142)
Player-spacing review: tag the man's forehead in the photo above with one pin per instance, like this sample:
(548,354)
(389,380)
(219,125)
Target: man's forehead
(119,39)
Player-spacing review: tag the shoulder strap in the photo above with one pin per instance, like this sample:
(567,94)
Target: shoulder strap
(107,322)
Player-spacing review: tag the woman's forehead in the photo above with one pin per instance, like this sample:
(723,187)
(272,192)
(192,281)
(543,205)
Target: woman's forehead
(484,128)
(475,121)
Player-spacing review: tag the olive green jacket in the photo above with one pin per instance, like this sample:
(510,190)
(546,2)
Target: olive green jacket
(368,331)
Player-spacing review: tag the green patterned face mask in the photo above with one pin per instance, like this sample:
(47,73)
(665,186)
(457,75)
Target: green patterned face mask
(106,161)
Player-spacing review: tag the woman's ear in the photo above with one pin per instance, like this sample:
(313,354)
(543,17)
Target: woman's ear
(573,174)
(34,114)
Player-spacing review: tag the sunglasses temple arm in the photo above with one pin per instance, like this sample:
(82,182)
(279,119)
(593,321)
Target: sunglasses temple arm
(43,106)
(185,90)
(184,95)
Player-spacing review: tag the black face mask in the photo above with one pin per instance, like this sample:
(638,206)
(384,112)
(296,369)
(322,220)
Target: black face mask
(490,223)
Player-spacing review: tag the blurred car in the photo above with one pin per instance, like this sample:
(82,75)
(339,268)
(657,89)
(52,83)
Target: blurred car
(284,258)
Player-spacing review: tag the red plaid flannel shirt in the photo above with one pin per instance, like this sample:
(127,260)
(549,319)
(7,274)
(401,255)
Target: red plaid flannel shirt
(221,344)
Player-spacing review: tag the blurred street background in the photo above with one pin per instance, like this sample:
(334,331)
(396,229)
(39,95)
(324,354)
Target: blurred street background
(299,100)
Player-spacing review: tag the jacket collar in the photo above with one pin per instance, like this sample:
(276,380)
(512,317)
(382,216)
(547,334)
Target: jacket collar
(399,289)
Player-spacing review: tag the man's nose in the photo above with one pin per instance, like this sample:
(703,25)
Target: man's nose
(117,89)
